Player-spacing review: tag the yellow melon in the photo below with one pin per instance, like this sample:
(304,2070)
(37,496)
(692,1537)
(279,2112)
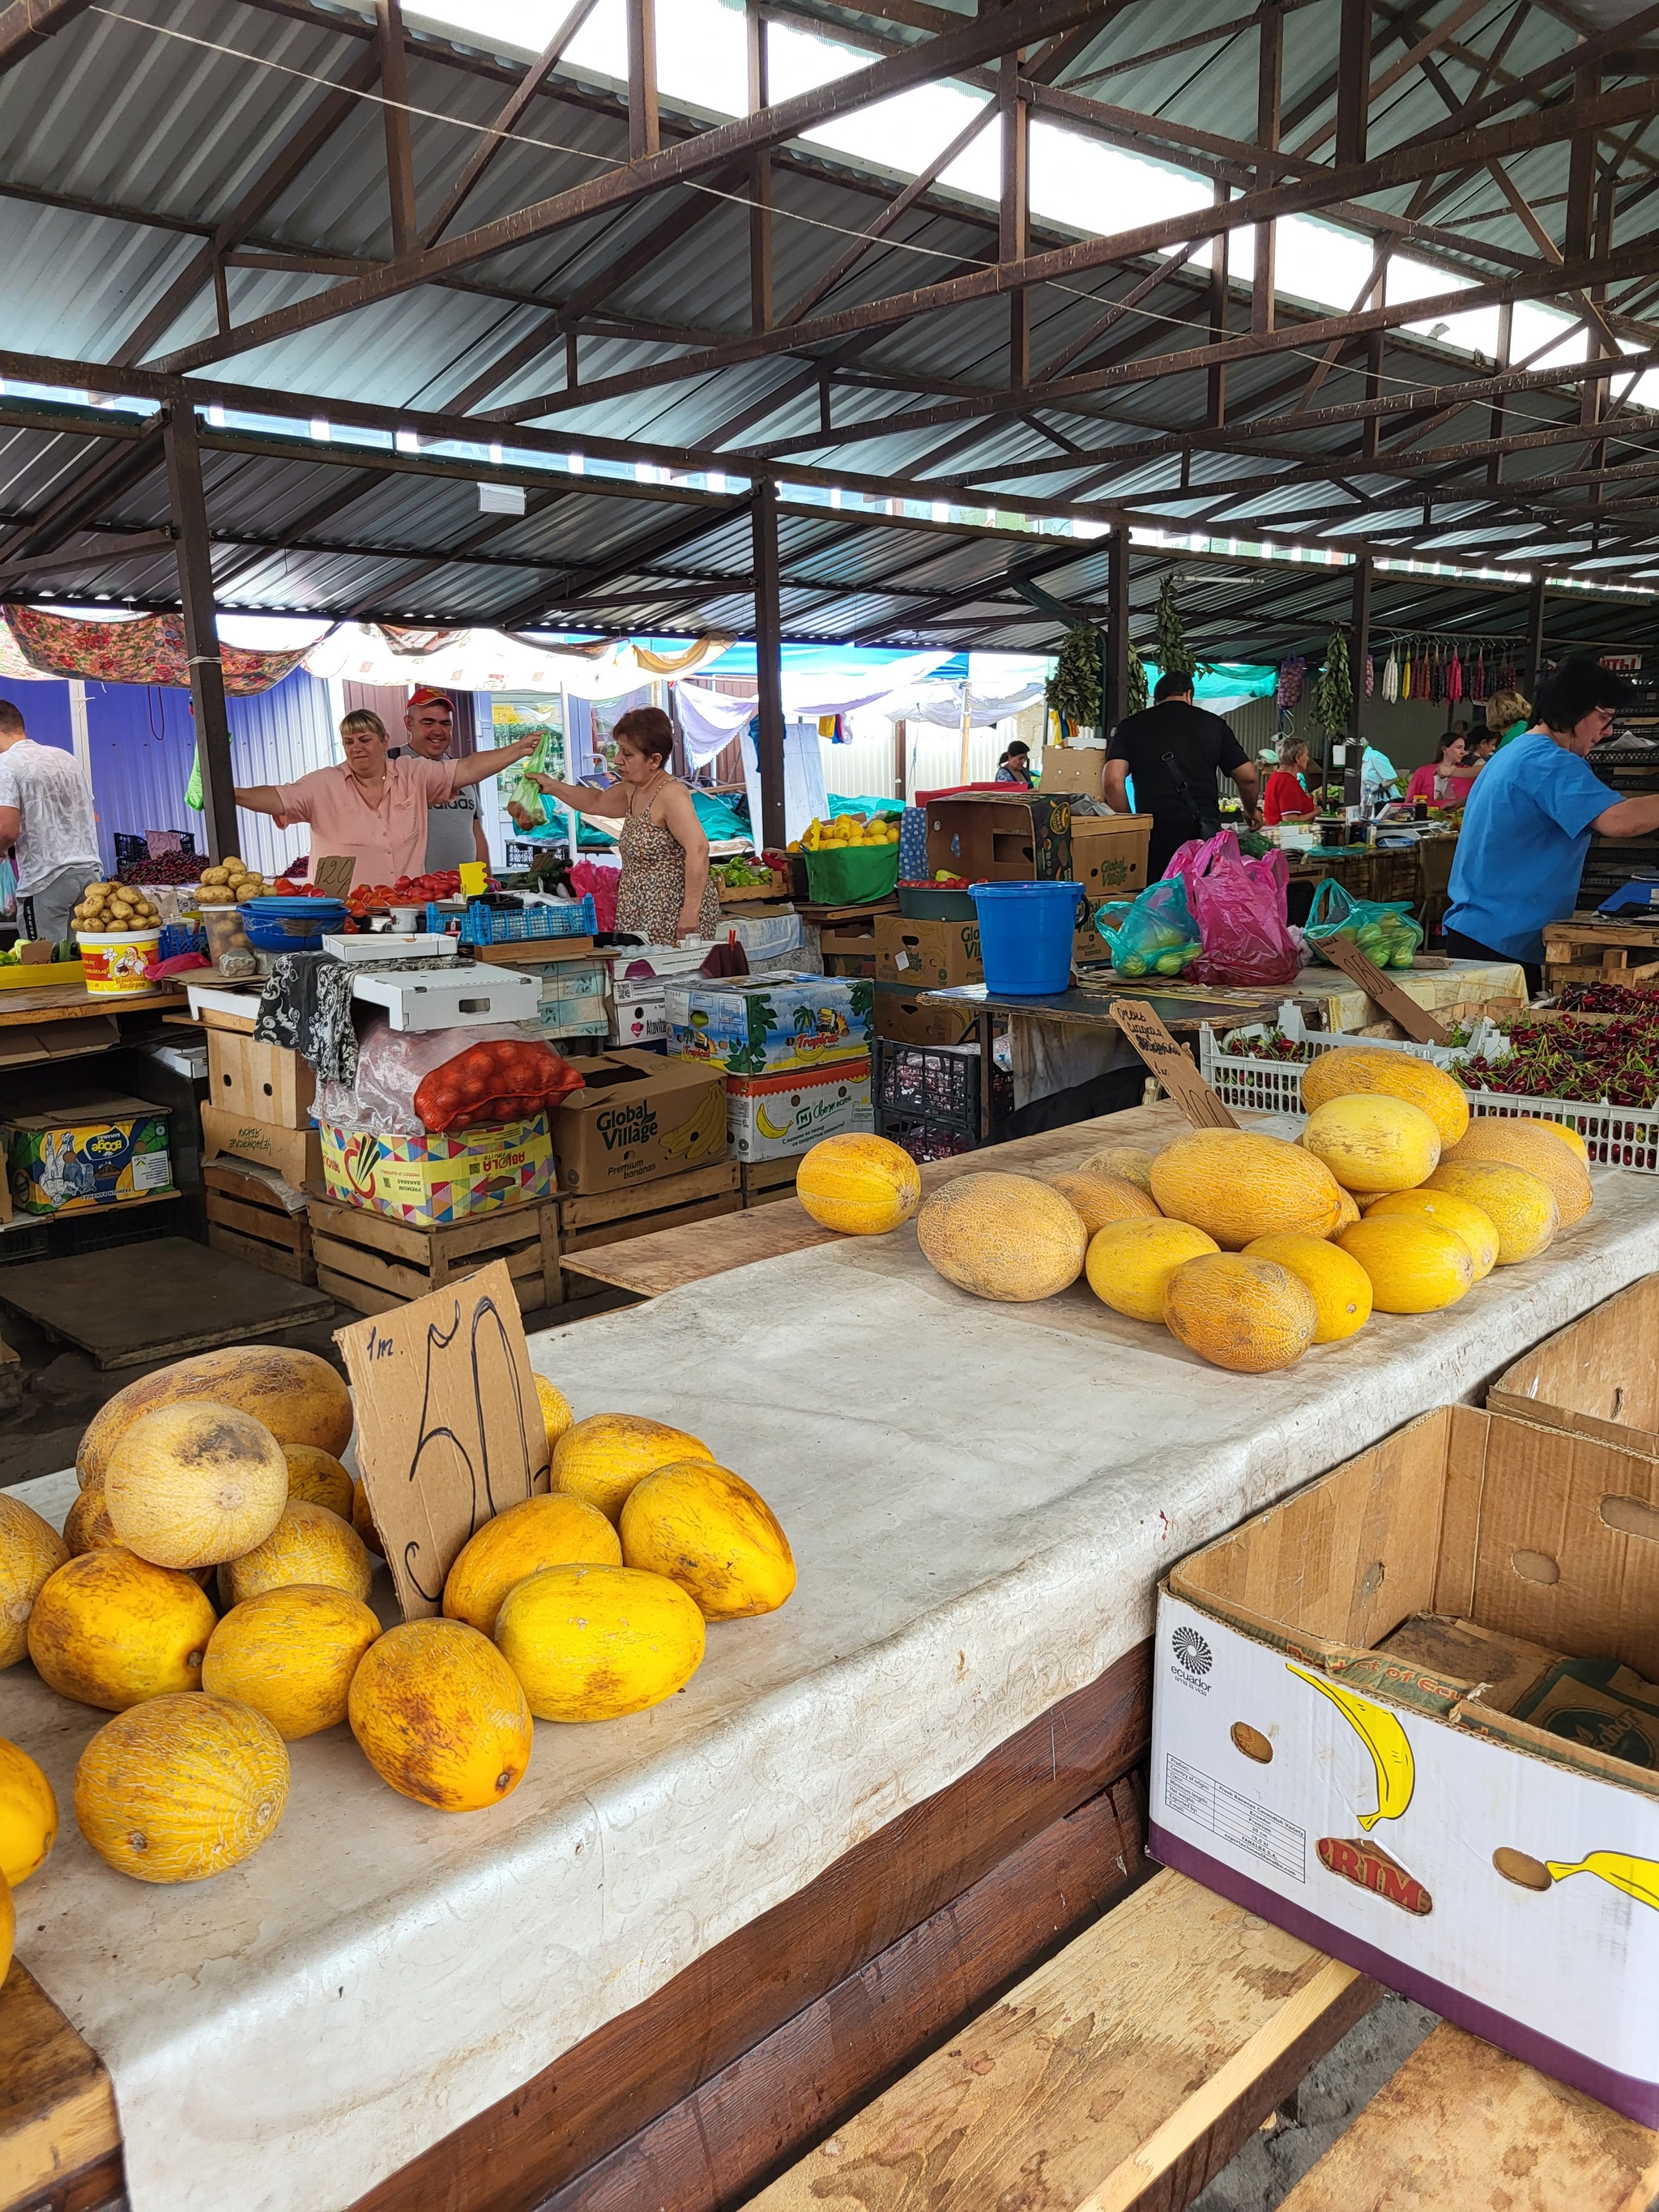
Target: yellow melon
(308,1543)
(1513,1143)
(555,1531)
(362,1520)
(1415,1267)
(1521,1206)
(1371,1142)
(439,1715)
(557,1413)
(29,1815)
(1237,1185)
(317,1478)
(599,1460)
(87,1525)
(590,1643)
(1341,1288)
(1351,1071)
(181,1788)
(1129,1160)
(1129,1263)
(290,1653)
(1569,1137)
(1006,1236)
(1350,1211)
(862,1186)
(192,1484)
(1103,1198)
(1466,1220)
(706,1529)
(297,1396)
(111,1629)
(1237,1311)
(31,1552)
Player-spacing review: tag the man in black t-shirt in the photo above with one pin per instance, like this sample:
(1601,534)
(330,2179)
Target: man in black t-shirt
(1173,749)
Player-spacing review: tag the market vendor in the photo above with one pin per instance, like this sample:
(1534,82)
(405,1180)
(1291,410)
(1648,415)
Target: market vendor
(371,807)
(1015,766)
(665,892)
(1445,780)
(1528,821)
(1287,797)
(1175,751)
(46,815)
(454,828)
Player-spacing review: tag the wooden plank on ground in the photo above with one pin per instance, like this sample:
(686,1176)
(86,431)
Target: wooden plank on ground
(57,2118)
(1119,2077)
(139,1303)
(1462,2126)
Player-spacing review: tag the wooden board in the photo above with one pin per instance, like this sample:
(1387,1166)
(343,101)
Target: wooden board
(293,1266)
(588,1210)
(1461,2127)
(73,1002)
(1124,2073)
(642,2065)
(271,1224)
(139,1303)
(670,1217)
(60,2141)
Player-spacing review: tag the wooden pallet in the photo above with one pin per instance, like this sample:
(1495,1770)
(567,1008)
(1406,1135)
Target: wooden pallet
(610,1217)
(767,1180)
(248,1221)
(1600,953)
(369,1261)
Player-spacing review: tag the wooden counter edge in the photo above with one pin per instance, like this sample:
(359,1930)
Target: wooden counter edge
(60,2138)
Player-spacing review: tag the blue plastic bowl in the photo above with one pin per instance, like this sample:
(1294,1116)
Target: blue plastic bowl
(292,925)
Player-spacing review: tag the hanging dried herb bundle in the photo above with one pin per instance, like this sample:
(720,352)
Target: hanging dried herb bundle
(1332,694)
(1174,656)
(1073,690)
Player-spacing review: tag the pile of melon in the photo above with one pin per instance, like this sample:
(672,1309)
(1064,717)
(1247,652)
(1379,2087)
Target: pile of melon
(210,1590)
(1249,1249)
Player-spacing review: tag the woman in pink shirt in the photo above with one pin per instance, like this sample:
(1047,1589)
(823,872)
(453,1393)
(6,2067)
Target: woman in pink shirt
(1445,781)
(372,808)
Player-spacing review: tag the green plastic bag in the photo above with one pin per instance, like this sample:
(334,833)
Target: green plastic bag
(1158,935)
(852,875)
(1387,932)
(193,789)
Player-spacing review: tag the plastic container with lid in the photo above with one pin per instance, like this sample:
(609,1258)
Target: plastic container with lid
(114,961)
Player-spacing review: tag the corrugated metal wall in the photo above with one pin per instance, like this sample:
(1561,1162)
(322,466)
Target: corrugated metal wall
(44,707)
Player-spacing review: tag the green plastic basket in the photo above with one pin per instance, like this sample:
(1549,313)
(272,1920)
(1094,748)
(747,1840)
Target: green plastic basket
(856,876)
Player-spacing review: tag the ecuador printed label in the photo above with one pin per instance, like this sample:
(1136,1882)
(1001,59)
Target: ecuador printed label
(1237,1820)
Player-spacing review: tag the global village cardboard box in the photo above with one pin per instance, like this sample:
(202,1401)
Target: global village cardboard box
(769,1025)
(432,1182)
(95,1148)
(638,1115)
(768,1117)
(1321,1754)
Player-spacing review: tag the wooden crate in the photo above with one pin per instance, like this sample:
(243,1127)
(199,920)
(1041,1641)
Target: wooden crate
(1600,953)
(247,1219)
(368,1261)
(608,1217)
(764,1181)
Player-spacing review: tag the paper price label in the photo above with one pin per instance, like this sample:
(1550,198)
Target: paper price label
(1419,1025)
(449,1429)
(333,874)
(1171,1065)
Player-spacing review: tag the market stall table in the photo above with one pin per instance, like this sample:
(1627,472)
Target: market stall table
(45,1022)
(689,1935)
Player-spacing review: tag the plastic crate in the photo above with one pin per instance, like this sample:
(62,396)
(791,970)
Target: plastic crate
(937,1084)
(488,924)
(179,937)
(1274,1086)
(924,1140)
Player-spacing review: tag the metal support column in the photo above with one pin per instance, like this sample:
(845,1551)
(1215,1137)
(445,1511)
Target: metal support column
(1270,60)
(760,179)
(1013,220)
(207,676)
(1114,685)
(1359,646)
(769,666)
(1532,666)
(643,135)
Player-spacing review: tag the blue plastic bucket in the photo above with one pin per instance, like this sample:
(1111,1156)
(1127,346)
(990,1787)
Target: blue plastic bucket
(1025,936)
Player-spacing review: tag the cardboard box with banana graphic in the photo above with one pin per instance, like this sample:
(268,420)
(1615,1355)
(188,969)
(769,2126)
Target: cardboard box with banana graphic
(1366,1728)
(638,1116)
(770,1116)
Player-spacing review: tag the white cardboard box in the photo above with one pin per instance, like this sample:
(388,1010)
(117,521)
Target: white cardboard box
(769,1117)
(1504,1874)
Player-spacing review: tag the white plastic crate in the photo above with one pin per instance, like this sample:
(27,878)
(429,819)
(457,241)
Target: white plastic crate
(1615,1136)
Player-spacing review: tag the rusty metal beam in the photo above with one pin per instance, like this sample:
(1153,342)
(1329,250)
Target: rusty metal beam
(394,112)
(500,130)
(27,24)
(761,304)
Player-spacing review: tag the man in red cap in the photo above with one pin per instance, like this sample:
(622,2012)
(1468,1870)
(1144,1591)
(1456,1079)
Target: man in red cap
(454,832)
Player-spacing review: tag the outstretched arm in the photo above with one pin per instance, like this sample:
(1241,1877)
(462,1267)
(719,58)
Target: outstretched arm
(261,798)
(586,801)
(477,766)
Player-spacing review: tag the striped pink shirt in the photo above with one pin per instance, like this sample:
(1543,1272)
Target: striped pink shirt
(387,841)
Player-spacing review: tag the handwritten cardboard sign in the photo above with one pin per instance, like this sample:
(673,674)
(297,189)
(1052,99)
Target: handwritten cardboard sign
(1419,1025)
(449,1430)
(1171,1065)
(333,874)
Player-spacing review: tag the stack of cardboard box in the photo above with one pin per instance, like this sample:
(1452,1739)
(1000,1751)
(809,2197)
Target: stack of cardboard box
(260,1148)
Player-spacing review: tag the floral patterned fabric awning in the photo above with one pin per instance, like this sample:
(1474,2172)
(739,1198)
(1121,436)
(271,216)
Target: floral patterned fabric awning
(150,650)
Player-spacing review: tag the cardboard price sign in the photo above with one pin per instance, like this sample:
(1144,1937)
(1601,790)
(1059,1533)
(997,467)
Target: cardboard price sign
(333,874)
(1173,1067)
(1419,1025)
(449,1428)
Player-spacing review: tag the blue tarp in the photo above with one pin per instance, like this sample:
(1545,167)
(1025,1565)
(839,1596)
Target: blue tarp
(1226,679)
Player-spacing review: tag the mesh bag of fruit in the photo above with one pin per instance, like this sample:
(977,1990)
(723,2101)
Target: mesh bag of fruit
(1158,936)
(1387,934)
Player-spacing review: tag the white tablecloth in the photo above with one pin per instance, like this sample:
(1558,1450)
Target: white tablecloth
(981,1498)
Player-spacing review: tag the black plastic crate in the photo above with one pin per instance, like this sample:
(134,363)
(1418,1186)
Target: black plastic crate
(925,1140)
(935,1084)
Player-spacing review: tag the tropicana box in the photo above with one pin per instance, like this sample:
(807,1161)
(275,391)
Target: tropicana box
(1411,1715)
(638,1116)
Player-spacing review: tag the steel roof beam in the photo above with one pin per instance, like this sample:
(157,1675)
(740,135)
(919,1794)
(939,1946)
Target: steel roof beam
(108,475)
(27,24)
(500,130)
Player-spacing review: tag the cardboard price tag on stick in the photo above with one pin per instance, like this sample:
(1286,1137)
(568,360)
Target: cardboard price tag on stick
(1419,1025)
(449,1428)
(1171,1065)
(333,874)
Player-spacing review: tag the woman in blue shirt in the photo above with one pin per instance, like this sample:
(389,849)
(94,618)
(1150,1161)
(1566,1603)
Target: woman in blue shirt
(1528,821)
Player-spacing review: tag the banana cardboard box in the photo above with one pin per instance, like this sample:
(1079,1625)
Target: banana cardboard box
(769,1025)
(768,1117)
(1355,1785)
(640,1115)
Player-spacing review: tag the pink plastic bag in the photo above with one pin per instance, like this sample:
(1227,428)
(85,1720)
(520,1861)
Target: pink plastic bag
(1239,907)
